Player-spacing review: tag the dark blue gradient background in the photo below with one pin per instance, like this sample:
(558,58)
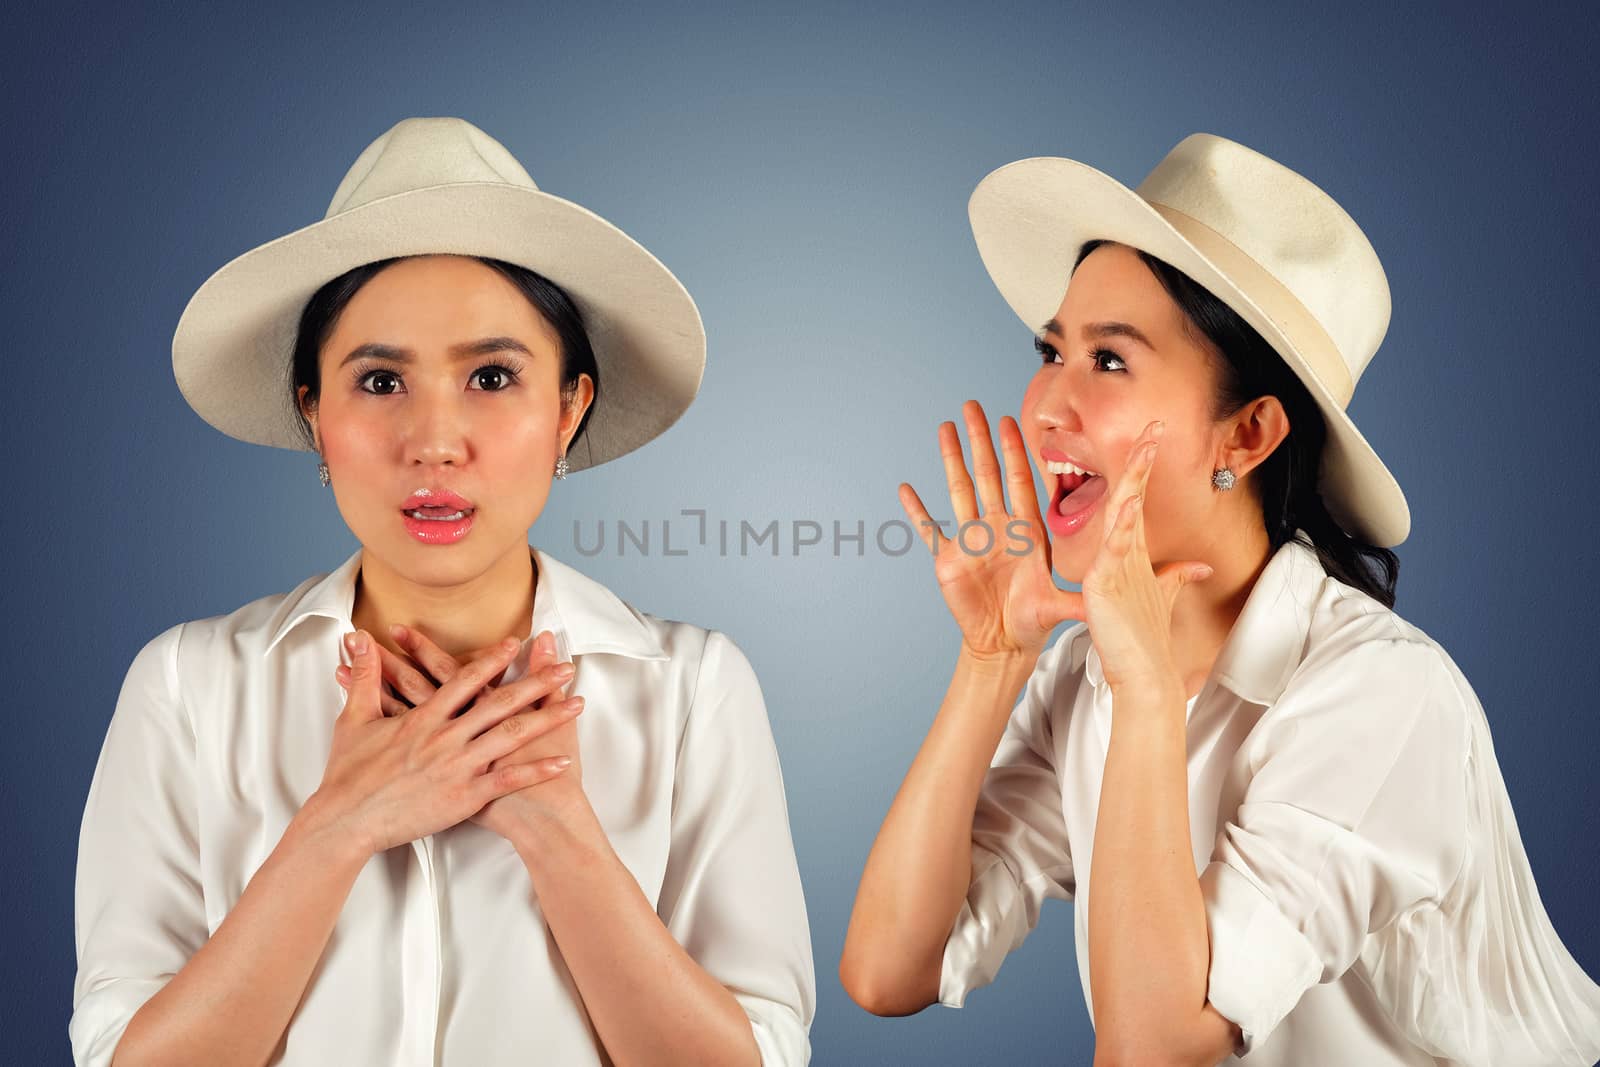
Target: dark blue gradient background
(806,176)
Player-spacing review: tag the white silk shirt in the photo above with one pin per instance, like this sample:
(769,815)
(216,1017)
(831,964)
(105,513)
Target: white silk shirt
(440,955)
(1367,895)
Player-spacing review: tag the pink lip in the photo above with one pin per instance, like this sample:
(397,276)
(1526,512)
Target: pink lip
(1055,455)
(438,531)
(442,498)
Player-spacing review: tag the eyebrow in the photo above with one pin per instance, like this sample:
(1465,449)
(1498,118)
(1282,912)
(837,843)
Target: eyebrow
(1103,329)
(465,350)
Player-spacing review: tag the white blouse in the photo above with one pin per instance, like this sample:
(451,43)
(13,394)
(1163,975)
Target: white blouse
(440,955)
(1366,890)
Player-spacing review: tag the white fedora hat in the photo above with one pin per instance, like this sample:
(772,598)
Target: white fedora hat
(441,185)
(1263,239)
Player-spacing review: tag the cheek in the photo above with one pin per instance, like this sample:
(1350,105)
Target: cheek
(351,434)
(520,433)
(1179,496)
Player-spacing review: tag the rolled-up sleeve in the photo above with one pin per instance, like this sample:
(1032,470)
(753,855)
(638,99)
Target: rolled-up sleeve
(731,895)
(1354,815)
(1020,851)
(139,912)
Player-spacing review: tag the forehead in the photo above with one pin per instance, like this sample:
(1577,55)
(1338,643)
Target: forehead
(1113,284)
(431,302)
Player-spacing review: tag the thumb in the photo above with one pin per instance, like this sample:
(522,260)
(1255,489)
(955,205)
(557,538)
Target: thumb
(1063,604)
(364,701)
(1174,576)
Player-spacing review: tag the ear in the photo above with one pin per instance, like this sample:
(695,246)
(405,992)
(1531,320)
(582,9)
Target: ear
(1256,431)
(574,403)
(310,412)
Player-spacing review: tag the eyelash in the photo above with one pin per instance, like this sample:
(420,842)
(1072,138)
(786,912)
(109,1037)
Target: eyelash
(510,368)
(1048,353)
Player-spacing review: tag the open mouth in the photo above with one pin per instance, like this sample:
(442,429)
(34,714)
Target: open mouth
(431,513)
(1075,493)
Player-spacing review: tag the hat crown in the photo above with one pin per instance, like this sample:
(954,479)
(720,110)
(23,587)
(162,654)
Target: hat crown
(1289,227)
(416,153)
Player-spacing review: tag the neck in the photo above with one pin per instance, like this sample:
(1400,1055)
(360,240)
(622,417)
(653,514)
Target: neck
(1205,612)
(461,616)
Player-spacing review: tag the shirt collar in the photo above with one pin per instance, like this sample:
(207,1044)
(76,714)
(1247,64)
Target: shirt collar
(1265,645)
(565,601)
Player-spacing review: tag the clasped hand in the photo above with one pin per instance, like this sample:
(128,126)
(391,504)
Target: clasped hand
(426,740)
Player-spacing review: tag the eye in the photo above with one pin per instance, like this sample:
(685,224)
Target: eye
(362,377)
(1047,351)
(506,374)
(1100,355)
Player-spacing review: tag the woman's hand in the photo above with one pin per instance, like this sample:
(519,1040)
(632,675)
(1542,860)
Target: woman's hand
(1127,603)
(995,574)
(425,666)
(393,779)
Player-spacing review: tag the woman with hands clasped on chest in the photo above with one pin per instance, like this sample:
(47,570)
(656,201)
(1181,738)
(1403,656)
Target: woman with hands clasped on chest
(454,802)
(1302,849)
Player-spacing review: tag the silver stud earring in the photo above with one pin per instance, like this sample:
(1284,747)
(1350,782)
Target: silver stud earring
(561,467)
(322,473)
(1223,478)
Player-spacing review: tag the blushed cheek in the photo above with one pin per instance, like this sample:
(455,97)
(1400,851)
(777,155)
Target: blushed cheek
(1178,511)
(356,443)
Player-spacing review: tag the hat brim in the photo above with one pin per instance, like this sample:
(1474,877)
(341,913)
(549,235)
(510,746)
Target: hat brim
(234,341)
(1029,218)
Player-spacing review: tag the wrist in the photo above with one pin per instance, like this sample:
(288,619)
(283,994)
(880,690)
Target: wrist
(560,815)
(1004,663)
(1148,695)
(322,824)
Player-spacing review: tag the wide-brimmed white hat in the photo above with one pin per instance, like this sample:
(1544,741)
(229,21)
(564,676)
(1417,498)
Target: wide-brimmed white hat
(441,185)
(1263,239)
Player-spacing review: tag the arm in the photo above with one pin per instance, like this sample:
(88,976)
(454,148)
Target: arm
(719,970)
(151,986)
(1148,943)
(1147,906)
(1354,815)
(649,1001)
(918,871)
(232,1001)
(968,850)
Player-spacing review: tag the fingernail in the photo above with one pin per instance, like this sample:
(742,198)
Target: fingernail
(1159,426)
(547,642)
(398,631)
(563,762)
(1203,572)
(510,644)
(358,642)
(564,671)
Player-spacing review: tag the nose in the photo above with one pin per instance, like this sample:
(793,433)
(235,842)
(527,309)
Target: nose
(436,428)
(1054,396)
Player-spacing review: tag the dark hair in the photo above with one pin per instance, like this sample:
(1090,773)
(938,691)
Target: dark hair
(1286,481)
(322,311)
